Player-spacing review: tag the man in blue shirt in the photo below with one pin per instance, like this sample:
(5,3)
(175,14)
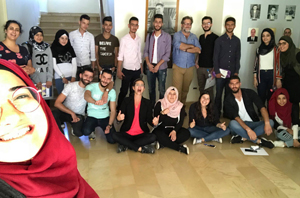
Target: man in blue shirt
(185,46)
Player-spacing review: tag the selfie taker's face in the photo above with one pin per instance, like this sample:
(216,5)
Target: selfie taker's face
(21,134)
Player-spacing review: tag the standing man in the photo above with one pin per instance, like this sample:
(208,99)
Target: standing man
(70,103)
(84,45)
(185,46)
(157,53)
(245,123)
(204,62)
(98,111)
(227,55)
(107,48)
(131,59)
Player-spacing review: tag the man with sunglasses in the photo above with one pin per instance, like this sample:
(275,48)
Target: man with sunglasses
(107,47)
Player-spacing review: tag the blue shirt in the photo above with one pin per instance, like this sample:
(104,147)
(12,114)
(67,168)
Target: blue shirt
(181,58)
(99,111)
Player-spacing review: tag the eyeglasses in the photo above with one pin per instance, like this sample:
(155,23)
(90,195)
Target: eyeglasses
(188,24)
(206,23)
(282,44)
(25,99)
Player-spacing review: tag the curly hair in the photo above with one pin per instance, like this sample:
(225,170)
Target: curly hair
(209,108)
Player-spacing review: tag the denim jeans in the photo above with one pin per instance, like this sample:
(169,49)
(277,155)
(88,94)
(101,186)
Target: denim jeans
(257,127)
(161,76)
(208,133)
(266,83)
(91,123)
(60,85)
(220,84)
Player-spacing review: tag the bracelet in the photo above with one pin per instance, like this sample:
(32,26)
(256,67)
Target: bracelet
(109,125)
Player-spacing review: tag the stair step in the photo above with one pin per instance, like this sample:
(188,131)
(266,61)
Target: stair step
(64,24)
(67,18)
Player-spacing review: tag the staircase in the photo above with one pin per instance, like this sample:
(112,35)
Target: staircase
(52,22)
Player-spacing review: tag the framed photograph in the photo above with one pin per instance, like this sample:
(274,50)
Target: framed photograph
(169,10)
(272,12)
(290,12)
(255,11)
(252,35)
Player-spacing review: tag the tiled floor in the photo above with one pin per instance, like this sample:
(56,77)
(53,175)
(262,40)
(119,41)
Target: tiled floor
(207,172)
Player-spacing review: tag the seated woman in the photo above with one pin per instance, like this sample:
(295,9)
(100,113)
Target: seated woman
(168,118)
(285,117)
(35,159)
(11,51)
(135,113)
(64,60)
(204,121)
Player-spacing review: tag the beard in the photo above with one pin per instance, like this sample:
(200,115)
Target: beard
(235,91)
(102,84)
(186,31)
(157,29)
(83,82)
(206,30)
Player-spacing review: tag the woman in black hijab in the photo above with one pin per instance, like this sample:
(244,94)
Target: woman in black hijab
(265,62)
(64,60)
(289,71)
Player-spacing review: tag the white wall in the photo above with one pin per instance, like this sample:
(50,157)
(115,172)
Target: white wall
(73,6)
(27,12)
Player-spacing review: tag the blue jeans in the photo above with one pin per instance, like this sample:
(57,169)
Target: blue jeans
(257,127)
(208,133)
(266,83)
(60,85)
(220,84)
(161,76)
(91,123)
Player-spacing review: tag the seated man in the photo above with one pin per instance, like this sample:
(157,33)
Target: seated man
(71,103)
(98,111)
(245,123)
(135,113)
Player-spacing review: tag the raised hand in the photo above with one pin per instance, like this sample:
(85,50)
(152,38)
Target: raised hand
(120,116)
(155,120)
(192,124)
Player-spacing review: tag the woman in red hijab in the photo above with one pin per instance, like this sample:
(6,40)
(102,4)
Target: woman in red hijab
(281,111)
(35,158)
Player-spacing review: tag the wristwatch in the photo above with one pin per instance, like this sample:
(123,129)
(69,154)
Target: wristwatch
(107,90)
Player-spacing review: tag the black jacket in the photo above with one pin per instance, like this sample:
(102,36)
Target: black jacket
(249,97)
(145,116)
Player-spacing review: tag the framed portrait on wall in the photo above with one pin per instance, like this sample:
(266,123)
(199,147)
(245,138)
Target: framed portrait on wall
(252,35)
(255,11)
(272,12)
(169,10)
(290,12)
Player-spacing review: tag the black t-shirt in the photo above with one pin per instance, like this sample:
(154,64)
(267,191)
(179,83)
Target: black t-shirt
(20,58)
(207,52)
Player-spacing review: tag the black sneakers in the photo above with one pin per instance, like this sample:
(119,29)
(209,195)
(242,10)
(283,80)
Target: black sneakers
(236,139)
(266,143)
(184,149)
(148,149)
(121,148)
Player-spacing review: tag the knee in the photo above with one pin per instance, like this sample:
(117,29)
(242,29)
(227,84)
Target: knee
(152,137)
(271,123)
(234,125)
(192,131)
(227,131)
(86,131)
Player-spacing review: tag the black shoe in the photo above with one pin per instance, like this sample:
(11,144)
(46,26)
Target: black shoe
(236,139)
(266,143)
(184,149)
(121,148)
(148,149)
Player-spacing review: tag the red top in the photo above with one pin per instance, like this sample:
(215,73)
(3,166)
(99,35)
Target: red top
(52,172)
(135,128)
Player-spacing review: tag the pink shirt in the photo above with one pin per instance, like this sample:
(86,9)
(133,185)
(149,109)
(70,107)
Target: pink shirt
(135,128)
(130,52)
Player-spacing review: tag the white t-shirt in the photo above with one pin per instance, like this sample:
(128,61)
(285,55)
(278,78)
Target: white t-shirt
(242,111)
(74,97)
(267,61)
(155,50)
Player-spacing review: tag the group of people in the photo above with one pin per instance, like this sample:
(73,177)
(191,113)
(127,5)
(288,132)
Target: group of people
(27,121)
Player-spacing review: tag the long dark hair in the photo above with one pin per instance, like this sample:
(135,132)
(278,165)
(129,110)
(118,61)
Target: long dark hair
(209,108)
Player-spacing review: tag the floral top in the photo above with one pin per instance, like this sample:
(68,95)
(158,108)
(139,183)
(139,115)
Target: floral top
(20,58)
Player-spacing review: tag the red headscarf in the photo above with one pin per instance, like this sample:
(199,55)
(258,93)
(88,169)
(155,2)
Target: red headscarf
(175,107)
(283,112)
(52,172)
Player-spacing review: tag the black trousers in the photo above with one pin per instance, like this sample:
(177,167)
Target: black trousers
(128,79)
(134,142)
(61,117)
(163,138)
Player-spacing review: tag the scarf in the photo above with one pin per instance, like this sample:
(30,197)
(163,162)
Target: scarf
(283,112)
(52,172)
(59,52)
(37,46)
(175,107)
(288,58)
(263,48)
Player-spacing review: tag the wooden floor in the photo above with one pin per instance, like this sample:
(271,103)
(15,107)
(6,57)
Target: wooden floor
(207,172)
